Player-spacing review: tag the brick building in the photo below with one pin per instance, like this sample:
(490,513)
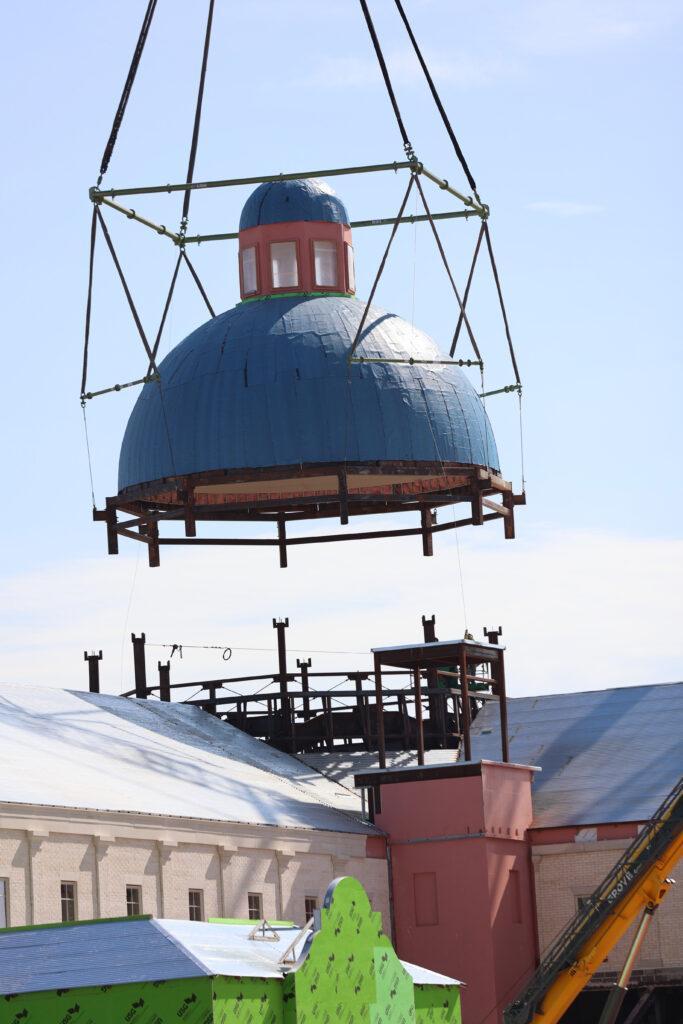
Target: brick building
(111,806)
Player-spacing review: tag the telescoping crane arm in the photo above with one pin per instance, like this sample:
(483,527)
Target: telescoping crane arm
(639,881)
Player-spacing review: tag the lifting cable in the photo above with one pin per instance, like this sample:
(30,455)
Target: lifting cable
(502,304)
(463,315)
(387,81)
(118,118)
(467,292)
(437,100)
(195,130)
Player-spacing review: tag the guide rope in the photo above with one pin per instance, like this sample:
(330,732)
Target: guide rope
(87,448)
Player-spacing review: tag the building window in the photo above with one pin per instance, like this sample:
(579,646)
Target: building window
(349,268)
(255,903)
(310,905)
(68,892)
(325,262)
(249,278)
(4,903)
(133,900)
(426,902)
(283,264)
(196,904)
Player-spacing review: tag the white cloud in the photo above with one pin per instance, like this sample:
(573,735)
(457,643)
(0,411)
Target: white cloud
(564,209)
(558,27)
(459,68)
(579,610)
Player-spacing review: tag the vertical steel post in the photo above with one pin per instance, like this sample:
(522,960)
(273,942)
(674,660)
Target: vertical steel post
(418,718)
(500,677)
(304,666)
(139,665)
(437,710)
(164,681)
(465,700)
(281,625)
(427,520)
(93,670)
(379,711)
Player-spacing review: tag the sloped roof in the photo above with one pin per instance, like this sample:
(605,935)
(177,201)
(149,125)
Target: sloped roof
(73,749)
(118,952)
(606,755)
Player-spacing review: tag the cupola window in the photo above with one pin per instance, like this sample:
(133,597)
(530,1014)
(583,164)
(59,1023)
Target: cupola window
(350,272)
(325,260)
(283,262)
(249,278)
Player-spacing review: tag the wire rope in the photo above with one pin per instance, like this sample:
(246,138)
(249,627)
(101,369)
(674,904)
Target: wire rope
(87,447)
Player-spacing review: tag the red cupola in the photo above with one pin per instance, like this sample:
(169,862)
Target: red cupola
(295,238)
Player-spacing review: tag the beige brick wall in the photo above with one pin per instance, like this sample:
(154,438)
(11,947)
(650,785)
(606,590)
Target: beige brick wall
(563,873)
(102,854)
(14,862)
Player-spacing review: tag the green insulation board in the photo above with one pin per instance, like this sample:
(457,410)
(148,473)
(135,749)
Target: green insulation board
(352,975)
(153,1002)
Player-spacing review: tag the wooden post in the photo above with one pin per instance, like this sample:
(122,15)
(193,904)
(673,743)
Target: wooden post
(427,518)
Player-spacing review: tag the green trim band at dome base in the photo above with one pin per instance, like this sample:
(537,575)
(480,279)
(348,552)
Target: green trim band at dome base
(298,295)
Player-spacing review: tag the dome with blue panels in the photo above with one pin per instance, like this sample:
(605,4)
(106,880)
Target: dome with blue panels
(260,415)
(277,202)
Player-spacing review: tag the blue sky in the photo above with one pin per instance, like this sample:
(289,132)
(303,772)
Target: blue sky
(568,114)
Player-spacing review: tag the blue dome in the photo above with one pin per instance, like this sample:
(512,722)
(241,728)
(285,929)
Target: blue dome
(277,202)
(266,385)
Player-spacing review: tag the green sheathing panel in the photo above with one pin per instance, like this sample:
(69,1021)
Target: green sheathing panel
(248,1000)
(437,1003)
(153,1002)
(351,974)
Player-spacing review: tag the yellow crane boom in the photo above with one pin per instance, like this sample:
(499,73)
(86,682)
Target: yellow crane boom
(639,881)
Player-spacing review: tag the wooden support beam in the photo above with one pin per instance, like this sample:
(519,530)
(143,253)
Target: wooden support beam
(282,540)
(427,522)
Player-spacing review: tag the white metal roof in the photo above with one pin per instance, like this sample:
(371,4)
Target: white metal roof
(606,755)
(76,749)
(122,951)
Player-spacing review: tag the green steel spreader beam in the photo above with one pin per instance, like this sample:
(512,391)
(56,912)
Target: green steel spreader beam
(106,197)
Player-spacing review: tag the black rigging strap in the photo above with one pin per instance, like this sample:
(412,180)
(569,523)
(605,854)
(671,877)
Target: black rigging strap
(197,116)
(109,148)
(437,100)
(88,307)
(387,81)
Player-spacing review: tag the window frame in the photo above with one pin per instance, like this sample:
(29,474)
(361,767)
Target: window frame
(285,287)
(191,909)
(69,899)
(243,288)
(309,911)
(138,890)
(350,268)
(258,910)
(326,287)
(4,902)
